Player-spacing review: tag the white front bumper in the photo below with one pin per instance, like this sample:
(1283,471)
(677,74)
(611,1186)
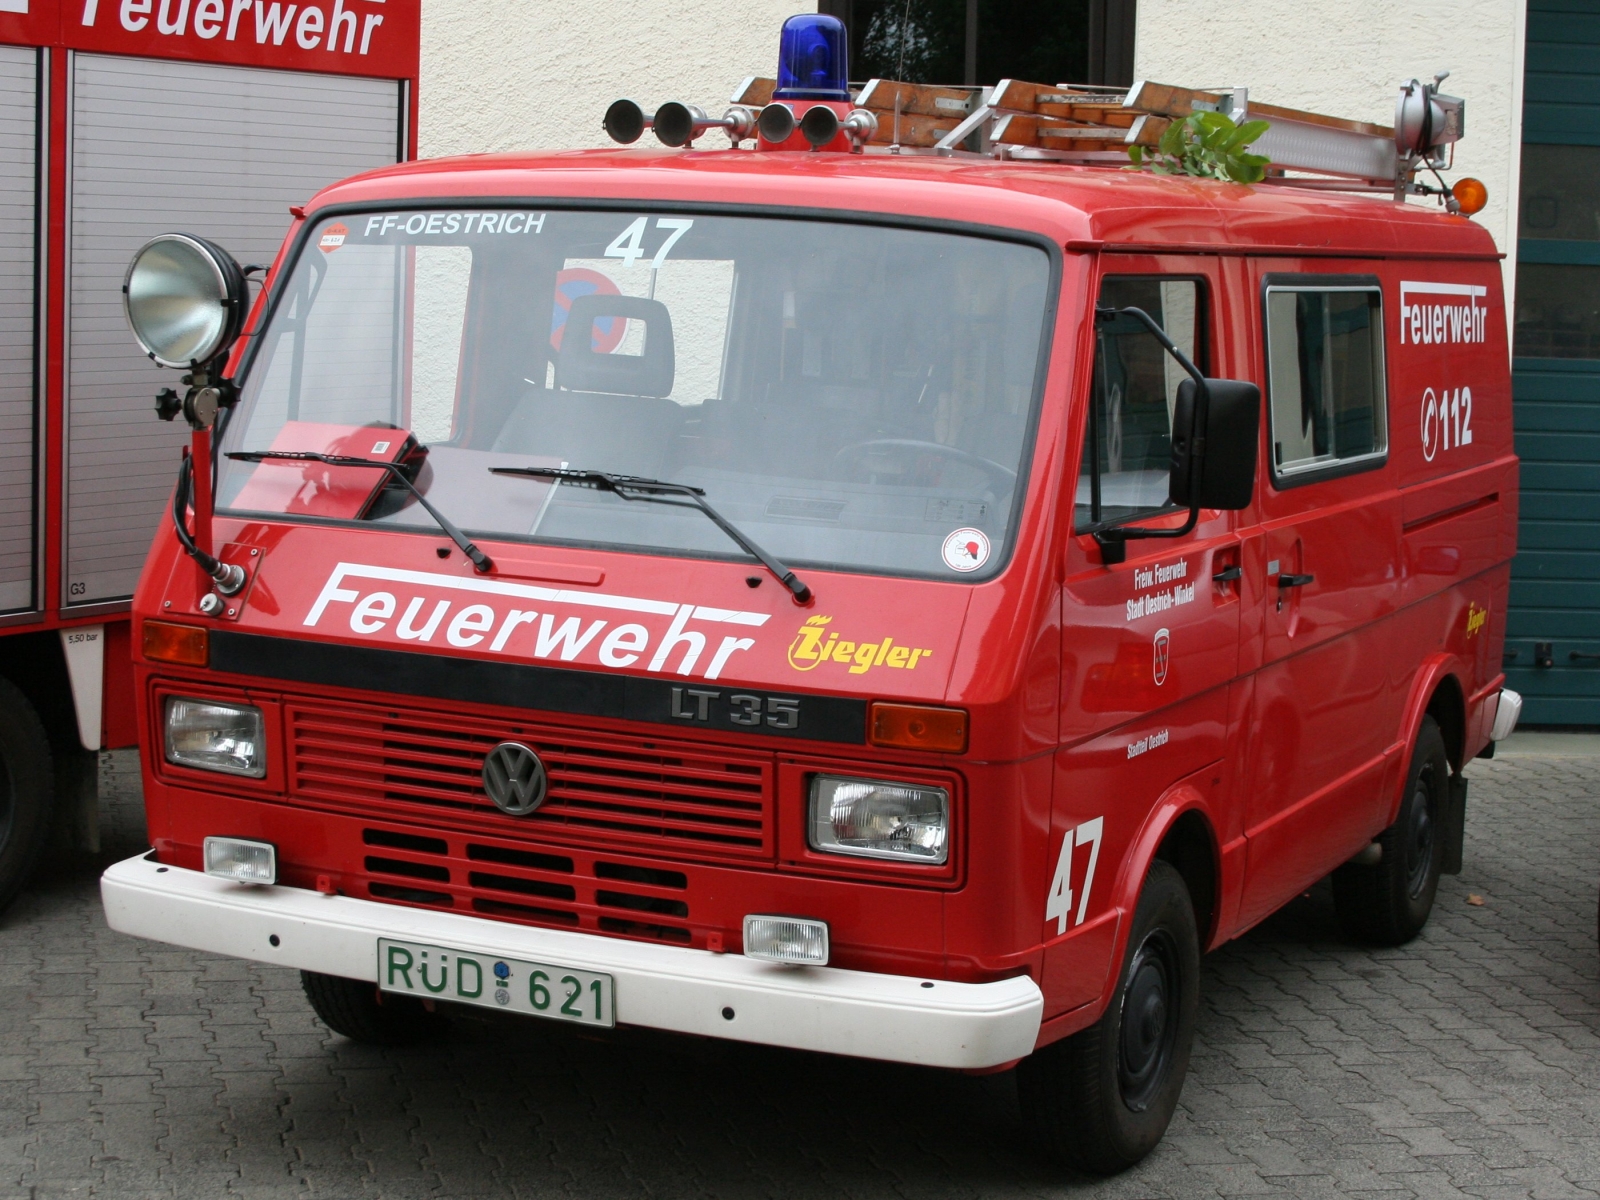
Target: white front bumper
(1508,708)
(893,1017)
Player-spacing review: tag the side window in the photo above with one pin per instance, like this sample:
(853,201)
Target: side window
(1128,445)
(1325,377)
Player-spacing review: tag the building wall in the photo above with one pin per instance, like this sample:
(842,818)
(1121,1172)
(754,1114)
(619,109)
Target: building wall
(1348,60)
(538,74)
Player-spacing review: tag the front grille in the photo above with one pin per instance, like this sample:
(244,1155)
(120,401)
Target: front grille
(526,887)
(602,790)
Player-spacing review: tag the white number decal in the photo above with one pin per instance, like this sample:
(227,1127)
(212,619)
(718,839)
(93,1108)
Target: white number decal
(629,244)
(1058,903)
(1446,421)
(679,227)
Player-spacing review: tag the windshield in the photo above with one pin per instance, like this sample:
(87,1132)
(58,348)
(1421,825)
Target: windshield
(854,396)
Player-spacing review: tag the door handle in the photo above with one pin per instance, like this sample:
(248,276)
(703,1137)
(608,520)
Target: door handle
(1228,574)
(1289,581)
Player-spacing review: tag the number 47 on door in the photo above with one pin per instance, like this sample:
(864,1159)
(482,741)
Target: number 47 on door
(1058,903)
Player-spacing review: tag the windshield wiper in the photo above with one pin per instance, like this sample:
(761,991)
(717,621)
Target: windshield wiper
(636,487)
(481,562)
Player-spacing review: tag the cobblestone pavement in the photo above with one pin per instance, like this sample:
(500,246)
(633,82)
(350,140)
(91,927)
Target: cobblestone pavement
(1464,1064)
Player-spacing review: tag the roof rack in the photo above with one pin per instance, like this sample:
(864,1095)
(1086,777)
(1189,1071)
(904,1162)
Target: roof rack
(1078,123)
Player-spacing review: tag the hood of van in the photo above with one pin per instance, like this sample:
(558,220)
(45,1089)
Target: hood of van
(712,643)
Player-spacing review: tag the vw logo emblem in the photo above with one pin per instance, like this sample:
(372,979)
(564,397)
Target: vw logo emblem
(515,778)
(1163,651)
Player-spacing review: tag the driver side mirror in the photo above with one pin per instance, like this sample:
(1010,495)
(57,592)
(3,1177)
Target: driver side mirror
(1215,466)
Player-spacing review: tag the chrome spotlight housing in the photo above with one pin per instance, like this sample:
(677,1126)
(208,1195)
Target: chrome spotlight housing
(185,299)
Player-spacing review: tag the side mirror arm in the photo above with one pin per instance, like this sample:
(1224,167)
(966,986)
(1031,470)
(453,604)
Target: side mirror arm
(1113,542)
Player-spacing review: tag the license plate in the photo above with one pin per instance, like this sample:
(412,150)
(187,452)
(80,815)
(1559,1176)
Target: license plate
(465,977)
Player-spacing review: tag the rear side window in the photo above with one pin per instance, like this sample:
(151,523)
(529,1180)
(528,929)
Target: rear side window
(1127,448)
(1325,378)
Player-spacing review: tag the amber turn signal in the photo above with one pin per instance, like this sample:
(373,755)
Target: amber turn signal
(1470,194)
(184,644)
(917,727)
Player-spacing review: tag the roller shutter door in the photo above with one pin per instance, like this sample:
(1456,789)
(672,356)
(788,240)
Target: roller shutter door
(1553,623)
(160,146)
(18,222)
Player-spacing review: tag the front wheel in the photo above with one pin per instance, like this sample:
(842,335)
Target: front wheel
(1387,903)
(357,1010)
(1100,1100)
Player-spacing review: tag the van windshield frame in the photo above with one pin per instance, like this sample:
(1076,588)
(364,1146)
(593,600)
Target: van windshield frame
(1045,281)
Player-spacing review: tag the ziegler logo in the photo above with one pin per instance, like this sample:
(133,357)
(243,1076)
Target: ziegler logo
(814,643)
(1476,617)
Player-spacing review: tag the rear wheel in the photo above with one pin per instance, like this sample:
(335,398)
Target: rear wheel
(1387,902)
(1100,1100)
(27,786)
(357,1010)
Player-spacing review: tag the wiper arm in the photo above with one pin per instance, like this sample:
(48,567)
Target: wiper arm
(636,487)
(481,562)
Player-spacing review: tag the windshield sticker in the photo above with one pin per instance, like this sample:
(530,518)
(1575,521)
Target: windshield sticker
(677,632)
(573,282)
(333,237)
(966,550)
(1169,597)
(815,643)
(414,224)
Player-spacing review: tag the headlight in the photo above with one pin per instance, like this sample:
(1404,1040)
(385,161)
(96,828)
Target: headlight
(216,737)
(880,820)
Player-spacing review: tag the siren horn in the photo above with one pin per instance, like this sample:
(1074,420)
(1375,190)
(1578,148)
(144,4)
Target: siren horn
(625,121)
(821,125)
(675,124)
(776,123)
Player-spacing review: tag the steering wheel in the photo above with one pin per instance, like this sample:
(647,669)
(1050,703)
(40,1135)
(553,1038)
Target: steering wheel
(1001,478)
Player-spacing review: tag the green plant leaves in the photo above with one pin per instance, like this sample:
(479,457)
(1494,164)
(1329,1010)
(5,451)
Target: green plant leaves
(1208,145)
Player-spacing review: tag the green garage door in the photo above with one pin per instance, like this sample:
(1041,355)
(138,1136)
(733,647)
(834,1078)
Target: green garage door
(1553,634)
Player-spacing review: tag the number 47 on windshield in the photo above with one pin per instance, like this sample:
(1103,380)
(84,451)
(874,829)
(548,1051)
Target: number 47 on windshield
(629,244)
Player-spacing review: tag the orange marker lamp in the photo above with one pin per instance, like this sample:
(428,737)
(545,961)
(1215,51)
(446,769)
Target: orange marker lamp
(1470,194)
(917,727)
(165,641)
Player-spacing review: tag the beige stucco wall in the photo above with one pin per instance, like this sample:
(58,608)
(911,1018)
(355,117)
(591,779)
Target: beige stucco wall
(538,74)
(1348,59)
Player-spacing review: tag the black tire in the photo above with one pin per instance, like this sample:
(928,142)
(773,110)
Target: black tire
(1099,1101)
(1387,902)
(351,1007)
(27,790)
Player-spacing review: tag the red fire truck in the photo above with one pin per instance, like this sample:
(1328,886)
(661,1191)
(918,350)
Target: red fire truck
(896,592)
(119,120)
